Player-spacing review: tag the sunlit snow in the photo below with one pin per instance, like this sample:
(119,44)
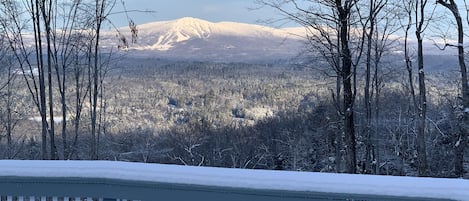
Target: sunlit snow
(169,33)
(57,120)
(241,178)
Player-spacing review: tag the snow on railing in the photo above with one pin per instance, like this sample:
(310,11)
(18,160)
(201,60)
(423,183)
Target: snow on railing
(55,198)
(106,181)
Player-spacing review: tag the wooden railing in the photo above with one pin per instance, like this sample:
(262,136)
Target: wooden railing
(117,181)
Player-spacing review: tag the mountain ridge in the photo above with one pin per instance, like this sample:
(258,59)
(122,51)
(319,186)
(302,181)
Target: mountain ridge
(192,38)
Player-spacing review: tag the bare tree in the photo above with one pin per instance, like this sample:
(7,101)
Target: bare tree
(102,10)
(8,96)
(81,86)
(377,27)
(420,6)
(416,11)
(58,45)
(48,12)
(369,26)
(461,141)
(33,71)
(407,7)
(66,53)
(319,17)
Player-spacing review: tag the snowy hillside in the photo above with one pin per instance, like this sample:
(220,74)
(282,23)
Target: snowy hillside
(191,38)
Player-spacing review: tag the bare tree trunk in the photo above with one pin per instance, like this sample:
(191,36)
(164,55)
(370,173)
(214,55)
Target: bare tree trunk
(408,60)
(376,43)
(462,141)
(61,78)
(367,100)
(422,112)
(81,93)
(422,103)
(94,101)
(42,88)
(347,75)
(78,108)
(47,17)
(339,141)
(9,117)
(377,135)
(377,95)
(100,17)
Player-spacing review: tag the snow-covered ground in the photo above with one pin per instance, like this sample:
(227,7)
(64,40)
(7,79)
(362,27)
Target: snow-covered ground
(457,189)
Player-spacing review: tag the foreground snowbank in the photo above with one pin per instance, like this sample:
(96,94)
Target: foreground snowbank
(457,189)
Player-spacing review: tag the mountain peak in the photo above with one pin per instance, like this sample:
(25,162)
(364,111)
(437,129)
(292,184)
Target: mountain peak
(193,27)
(181,30)
(191,21)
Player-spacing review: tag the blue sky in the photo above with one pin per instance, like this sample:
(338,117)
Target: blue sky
(211,10)
(245,11)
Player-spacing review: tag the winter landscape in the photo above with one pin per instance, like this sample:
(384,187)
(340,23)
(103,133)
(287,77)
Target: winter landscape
(375,87)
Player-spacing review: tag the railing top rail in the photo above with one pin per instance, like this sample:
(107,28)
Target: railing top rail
(285,181)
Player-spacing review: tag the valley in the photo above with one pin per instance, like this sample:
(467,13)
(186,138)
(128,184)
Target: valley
(225,94)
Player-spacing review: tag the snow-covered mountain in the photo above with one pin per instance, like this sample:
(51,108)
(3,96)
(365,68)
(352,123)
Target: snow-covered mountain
(191,38)
(195,39)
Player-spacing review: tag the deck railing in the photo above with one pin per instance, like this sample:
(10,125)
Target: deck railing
(118,181)
(55,198)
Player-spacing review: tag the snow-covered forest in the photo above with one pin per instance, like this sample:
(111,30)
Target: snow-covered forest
(362,95)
